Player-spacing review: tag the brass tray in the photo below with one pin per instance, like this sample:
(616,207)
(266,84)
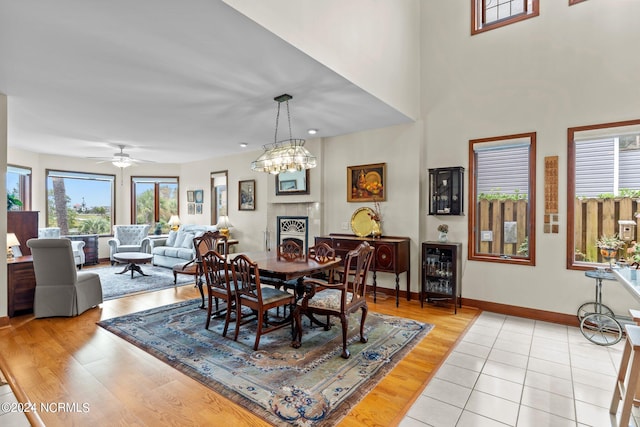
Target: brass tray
(361,223)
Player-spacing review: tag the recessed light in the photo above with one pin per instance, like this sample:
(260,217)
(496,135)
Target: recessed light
(244,145)
(312,131)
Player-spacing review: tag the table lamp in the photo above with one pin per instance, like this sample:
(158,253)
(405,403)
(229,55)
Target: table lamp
(12,240)
(223,225)
(174,222)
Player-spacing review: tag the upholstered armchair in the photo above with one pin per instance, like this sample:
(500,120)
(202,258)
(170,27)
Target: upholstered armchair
(60,289)
(129,238)
(76,246)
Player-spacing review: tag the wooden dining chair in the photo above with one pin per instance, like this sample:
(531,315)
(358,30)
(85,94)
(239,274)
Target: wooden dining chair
(291,251)
(219,287)
(250,293)
(337,299)
(210,240)
(322,253)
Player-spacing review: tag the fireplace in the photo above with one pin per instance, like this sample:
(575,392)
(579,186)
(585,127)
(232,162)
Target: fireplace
(293,228)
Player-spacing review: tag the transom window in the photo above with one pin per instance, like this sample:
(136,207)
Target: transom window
(502,199)
(19,187)
(490,14)
(80,203)
(155,199)
(603,188)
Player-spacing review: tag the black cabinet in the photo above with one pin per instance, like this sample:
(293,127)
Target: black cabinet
(446,186)
(440,278)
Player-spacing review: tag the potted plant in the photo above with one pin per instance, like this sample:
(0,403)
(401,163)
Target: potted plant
(609,245)
(12,201)
(443,230)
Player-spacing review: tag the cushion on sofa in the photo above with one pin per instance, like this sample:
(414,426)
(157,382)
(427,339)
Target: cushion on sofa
(171,240)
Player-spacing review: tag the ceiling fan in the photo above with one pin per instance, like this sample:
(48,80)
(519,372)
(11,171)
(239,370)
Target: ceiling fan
(121,159)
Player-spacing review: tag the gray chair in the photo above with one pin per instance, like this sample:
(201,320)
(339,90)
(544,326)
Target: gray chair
(129,238)
(61,290)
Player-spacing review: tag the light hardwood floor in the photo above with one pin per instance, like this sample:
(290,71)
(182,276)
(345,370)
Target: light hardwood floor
(72,360)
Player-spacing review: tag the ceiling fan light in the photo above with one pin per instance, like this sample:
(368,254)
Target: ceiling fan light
(121,163)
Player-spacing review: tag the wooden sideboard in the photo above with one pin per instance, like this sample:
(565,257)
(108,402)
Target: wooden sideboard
(21,285)
(90,247)
(391,255)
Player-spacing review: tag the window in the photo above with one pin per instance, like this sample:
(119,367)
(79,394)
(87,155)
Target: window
(155,199)
(489,14)
(603,187)
(502,199)
(19,186)
(80,203)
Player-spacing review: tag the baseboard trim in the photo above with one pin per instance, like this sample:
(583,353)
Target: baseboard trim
(529,313)
(4,321)
(509,310)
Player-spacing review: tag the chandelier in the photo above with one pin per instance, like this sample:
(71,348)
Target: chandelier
(285,155)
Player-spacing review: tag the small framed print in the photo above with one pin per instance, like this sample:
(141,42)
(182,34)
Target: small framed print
(198,196)
(190,196)
(191,208)
(198,208)
(247,195)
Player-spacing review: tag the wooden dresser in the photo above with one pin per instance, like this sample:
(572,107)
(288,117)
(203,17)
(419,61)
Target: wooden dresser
(21,285)
(392,255)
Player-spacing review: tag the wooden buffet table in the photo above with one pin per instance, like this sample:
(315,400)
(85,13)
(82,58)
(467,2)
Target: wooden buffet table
(392,255)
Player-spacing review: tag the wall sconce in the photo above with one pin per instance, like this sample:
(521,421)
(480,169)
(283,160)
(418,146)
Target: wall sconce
(12,240)
(174,222)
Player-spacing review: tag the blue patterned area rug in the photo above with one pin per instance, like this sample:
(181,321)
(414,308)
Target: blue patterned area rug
(308,386)
(118,285)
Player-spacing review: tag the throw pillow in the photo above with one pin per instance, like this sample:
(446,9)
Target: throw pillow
(187,243)
(171,240)
(179,239)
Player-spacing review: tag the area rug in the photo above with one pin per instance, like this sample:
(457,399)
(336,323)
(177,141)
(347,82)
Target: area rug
(308,386)
(118,285)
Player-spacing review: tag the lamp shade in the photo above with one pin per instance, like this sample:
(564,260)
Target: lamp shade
(223,223)
(12,240)
(174,222)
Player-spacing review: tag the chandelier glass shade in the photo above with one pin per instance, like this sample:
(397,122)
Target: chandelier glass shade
(285,155)
(121,163)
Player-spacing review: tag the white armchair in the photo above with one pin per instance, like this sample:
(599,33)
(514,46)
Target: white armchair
(76,246)
(129,238)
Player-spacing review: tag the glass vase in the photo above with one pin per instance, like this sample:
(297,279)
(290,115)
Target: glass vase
(443,237)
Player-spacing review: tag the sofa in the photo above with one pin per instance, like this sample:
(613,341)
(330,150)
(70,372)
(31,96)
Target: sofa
(177,248)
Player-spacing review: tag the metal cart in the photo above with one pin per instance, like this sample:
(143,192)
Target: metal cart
(598,323)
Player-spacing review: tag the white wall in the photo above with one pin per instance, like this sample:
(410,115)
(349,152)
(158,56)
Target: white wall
(3,215)
(373,43)
(570,66)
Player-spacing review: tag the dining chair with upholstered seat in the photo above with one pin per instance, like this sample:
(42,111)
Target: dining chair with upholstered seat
(219,286)
(323,253)
(250,293)
(337,299)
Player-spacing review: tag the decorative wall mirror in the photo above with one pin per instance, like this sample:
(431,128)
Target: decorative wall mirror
(219,198)
(296,182)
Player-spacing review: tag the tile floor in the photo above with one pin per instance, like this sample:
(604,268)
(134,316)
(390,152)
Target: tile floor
(11,418)
(511,371)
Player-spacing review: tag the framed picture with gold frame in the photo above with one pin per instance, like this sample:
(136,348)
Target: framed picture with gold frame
(367,183)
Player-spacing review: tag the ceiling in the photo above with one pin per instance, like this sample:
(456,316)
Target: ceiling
(163,77)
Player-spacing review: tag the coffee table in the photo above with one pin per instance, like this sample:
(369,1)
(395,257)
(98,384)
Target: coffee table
(133,259)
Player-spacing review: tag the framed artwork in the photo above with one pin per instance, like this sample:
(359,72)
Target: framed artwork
(247,195)
(198,196)
(190,197)
(198,208)
(191,208)
(290,183)
(367,183)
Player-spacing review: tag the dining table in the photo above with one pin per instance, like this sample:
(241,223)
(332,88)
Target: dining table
(276,270)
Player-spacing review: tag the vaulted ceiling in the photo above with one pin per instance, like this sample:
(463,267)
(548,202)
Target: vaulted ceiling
(161,76)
